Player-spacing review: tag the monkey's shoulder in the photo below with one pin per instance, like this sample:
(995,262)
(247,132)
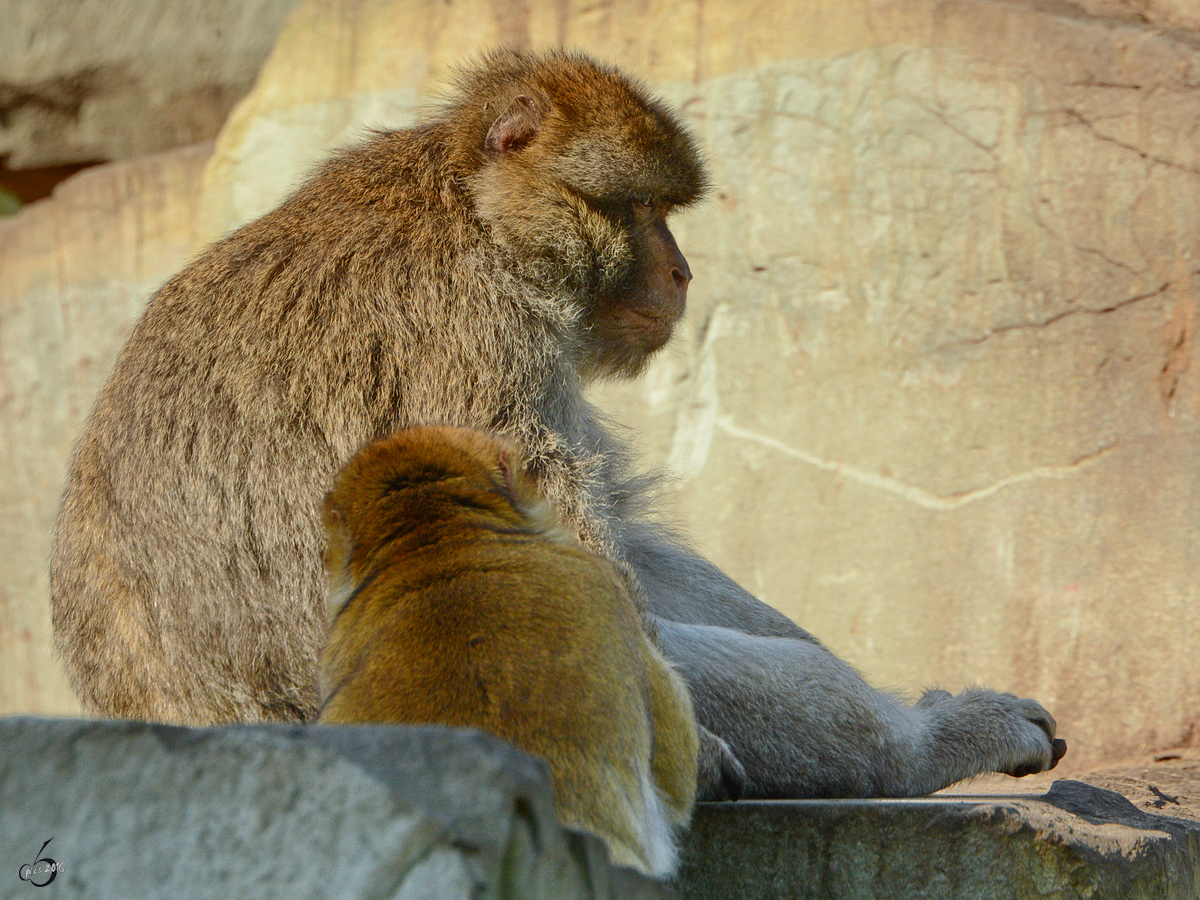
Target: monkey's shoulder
(490,571)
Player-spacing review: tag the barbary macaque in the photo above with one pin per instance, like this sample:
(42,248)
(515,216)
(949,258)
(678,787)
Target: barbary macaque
(457,598)
(475,270)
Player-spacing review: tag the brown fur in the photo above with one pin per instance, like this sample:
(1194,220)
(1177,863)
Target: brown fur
(430,274)
(459,599)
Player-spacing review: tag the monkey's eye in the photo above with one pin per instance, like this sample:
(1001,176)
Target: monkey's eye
(644,201)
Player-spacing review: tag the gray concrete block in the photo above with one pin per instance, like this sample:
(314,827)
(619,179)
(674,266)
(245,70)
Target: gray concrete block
(1075,841)
(153,811)
(133,810)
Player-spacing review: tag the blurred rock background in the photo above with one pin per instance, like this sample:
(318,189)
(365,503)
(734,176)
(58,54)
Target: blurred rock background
(935,397)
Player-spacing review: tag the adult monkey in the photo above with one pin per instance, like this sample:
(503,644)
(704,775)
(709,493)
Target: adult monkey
(474,270)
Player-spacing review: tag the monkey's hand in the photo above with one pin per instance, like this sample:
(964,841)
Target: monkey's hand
(721,775)
(1003,733)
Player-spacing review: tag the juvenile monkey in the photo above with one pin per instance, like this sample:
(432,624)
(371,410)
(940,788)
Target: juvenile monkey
(476,270)
(457,598)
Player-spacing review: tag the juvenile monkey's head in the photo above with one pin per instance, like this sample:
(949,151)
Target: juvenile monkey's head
(574,170)
(420,485)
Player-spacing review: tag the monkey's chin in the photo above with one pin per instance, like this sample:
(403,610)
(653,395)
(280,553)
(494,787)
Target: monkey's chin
(653,342)
(619,346)
(650,347)
(622,362)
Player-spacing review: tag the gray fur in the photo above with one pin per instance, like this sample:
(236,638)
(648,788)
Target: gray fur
(775,693)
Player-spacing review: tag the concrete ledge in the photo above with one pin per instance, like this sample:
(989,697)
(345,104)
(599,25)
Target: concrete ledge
(152,811)
(255,812)
(1075,841)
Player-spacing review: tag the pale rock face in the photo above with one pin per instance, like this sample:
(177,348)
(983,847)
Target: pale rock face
(88,80)
(1181,14)
(75,272)
(935,397)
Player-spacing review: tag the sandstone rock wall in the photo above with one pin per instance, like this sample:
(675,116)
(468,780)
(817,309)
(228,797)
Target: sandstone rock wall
(75,272)
(935,398)
(87,80)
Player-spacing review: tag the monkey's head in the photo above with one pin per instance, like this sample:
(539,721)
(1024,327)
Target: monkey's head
(419,485)
(574,168)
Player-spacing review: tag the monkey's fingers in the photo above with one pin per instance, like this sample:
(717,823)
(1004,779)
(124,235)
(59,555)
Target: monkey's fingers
(1058,751)
(733,777)
(721,775)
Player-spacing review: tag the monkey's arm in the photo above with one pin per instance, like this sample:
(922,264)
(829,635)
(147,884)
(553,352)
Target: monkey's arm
(682,586)
(805,724)
(801,721)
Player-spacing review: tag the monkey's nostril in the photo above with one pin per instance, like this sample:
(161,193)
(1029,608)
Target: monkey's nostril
(681,278)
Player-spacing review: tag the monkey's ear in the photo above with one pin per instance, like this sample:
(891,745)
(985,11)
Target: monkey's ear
(507,469)
(516,127)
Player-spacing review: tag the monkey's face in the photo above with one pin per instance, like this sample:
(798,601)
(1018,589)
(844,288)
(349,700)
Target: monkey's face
(578,171)
(638,305)
(612,257)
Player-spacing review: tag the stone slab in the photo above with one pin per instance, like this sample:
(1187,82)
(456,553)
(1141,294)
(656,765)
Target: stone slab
(134,810)
(1075,841)
(154,811)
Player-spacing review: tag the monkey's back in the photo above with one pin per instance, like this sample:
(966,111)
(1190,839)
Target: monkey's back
(515,635)
(185,573)
(537,642)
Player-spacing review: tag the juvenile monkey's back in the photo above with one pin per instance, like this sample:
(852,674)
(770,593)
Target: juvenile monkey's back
(452,632)
(457,598)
